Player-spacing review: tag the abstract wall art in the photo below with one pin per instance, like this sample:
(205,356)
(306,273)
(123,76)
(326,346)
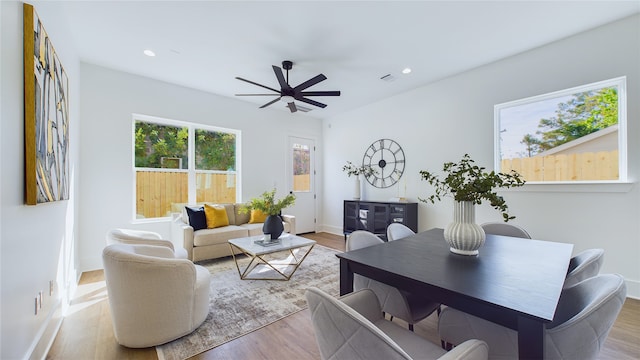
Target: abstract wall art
(46,116)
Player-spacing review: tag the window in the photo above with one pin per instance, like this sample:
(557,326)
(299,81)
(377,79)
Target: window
(301,167)
(178,163)
(573,135)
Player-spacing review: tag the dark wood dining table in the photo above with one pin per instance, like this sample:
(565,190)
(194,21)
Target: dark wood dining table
(513,282)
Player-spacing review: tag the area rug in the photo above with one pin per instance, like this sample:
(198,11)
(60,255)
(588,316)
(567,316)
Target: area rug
(238,307)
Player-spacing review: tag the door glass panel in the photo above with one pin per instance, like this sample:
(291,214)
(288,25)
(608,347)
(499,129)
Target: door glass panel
(301,167)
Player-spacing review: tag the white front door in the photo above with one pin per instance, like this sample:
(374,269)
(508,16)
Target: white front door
(301,174)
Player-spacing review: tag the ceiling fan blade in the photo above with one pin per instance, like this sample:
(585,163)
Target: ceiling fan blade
(280,76)
(320,93)
(255,83)
(257,94)
(310,82)
(270,102)
(292,107)
(312,102)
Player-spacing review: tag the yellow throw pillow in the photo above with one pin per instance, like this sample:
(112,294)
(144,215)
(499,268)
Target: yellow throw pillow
(216,216)
(257,216)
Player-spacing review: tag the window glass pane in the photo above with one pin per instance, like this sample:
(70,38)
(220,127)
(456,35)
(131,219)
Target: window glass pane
(215,150)
(166,181)
(159,193)
(301,167)
(216,187)
(570,135)
(161,146)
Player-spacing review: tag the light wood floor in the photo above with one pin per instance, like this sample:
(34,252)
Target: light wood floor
(87,332)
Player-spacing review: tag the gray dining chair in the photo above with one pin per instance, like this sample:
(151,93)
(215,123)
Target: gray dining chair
(504,229)
(397,231)
(397,303)
(353,328)
(584,265)
(584,316)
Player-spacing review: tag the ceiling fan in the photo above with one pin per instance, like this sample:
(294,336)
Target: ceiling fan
(287,93)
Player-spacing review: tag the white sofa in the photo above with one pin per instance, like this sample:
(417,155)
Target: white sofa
(213,243)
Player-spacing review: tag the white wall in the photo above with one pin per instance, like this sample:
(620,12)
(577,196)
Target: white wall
(444,120)
(110,97)
(37,241)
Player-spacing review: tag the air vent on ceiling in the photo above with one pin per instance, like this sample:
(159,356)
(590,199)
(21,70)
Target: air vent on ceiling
(388,78)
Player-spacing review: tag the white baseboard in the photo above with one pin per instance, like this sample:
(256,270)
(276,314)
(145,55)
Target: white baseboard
(47,334)
(331,229)
(633,289)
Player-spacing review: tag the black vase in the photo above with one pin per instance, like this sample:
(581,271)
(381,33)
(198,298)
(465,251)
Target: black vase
(273,226)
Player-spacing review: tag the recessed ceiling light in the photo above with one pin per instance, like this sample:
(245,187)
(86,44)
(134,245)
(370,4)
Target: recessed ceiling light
(149,53)
(406,70)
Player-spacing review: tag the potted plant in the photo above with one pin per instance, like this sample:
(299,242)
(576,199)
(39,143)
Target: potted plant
(469,185)
(351,169)
(267,204)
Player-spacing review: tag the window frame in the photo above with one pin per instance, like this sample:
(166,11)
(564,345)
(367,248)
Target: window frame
(191,163)
(619,82)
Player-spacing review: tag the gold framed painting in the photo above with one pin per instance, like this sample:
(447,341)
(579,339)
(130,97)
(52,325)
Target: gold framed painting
(46,116)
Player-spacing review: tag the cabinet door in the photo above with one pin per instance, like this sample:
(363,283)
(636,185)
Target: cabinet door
(351,220)
(379,219)
(363,216)
(397,214)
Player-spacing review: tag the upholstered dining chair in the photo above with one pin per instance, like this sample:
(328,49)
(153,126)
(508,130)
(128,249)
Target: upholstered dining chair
(504,229)
(154,298)
(353,328)
(397,303)
(584,265)
(142,237)
(397,231)
(584,316)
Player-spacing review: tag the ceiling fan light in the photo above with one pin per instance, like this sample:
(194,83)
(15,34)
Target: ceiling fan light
(287,99)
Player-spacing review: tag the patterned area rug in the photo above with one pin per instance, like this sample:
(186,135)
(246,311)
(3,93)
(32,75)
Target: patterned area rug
(238,307)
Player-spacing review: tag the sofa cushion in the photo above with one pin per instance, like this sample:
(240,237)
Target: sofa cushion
(256,229)
(216,216)
(219,235)
(257,216)
(253,229)
(197,217)
(241,217)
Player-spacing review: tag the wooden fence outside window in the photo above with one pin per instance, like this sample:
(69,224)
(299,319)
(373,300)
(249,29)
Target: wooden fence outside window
(566,167)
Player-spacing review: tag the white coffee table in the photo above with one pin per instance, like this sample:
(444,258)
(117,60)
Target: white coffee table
(261,255)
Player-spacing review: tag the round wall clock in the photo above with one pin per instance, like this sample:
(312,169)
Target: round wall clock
(386,158)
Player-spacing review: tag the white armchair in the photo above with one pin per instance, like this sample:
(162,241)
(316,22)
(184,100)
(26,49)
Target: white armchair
(154,297)
(142,237)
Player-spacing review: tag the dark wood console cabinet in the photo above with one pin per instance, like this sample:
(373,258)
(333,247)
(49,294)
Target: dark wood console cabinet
(375,216)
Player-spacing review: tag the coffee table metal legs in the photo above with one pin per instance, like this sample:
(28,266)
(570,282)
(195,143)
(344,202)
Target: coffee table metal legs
(259,259)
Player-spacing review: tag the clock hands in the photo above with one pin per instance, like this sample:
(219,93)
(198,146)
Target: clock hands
(384,154)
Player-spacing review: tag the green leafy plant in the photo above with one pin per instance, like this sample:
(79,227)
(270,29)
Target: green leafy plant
(268,204)
(351,169)
(466,181)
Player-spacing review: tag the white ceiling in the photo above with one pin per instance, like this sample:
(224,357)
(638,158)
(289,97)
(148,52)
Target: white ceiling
(206,44)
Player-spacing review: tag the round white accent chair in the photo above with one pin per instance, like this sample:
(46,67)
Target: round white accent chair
(142,237)
(154,297)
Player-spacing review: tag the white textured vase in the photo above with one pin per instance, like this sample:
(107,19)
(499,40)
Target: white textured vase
(463,235)
(356,189)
